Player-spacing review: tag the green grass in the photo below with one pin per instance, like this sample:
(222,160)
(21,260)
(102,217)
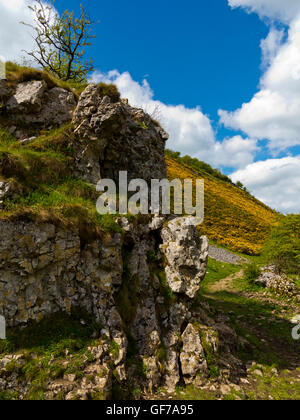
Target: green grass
(48,188)
(44,346)
(279,387)
(296,279)
(51,336)
(252,272)
(216,271)
(190,393)
(254,319)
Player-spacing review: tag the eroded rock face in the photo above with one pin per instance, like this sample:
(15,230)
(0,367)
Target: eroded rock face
(28,98)
(44,270)
(115,278)
(34,104)
(186,254)
(192,357)
(115,137)
(118,280)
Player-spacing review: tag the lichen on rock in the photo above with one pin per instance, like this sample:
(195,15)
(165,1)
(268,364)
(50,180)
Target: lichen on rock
(186,255)
(35,106)
(115,137)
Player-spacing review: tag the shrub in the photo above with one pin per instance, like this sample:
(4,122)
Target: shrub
(283,246)
(252,272)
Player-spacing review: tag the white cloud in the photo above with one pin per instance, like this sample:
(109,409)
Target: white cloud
(271,45)
(283,10)
(276,182)
(237,151)
(190,130)
(14,37)
(273,113)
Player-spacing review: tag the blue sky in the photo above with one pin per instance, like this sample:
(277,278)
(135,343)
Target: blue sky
(222,76)
(202,53)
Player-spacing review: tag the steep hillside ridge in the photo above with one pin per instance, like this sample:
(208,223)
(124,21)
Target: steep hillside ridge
(233,218)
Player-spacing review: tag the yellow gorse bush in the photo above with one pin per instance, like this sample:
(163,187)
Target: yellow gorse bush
(233,218)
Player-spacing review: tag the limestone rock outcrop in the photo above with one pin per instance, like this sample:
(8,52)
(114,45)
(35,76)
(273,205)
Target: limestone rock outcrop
(49,271)
(36,105)
(192,357)
(55,270)
(114,136)
(186,255)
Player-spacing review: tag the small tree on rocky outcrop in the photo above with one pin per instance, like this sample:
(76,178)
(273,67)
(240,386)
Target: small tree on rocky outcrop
(61,41)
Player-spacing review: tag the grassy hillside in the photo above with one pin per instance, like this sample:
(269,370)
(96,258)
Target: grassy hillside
(233,218)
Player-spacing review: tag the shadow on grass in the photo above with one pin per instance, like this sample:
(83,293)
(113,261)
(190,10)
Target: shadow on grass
(264,336)
(53,335)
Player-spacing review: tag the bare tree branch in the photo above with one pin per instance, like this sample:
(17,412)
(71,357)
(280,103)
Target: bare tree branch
(61,41)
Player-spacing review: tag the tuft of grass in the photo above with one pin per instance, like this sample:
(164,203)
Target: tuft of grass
(114,349)
(9,396)
(252,272)
(110,90)
(210,355)
(19,74)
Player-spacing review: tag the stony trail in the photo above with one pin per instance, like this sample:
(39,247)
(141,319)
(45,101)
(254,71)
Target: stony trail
(226,283)
(222,255)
